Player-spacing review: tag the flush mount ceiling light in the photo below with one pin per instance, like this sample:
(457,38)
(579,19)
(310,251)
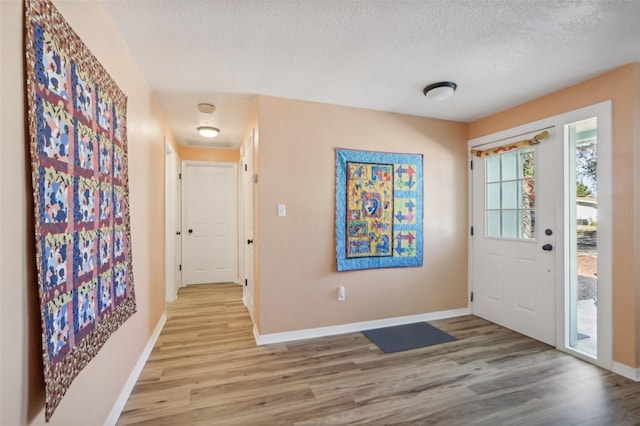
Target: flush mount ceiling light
(440,91)
(208,131)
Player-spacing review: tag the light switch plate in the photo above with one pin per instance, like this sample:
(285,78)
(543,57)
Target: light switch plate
(282,210)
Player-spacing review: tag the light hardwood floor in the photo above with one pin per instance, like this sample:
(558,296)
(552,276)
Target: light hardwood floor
(206,369)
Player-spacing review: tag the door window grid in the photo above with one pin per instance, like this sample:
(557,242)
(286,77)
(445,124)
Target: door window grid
(510,209)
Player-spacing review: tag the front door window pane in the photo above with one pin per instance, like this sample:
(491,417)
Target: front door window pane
(493,196)
(493,223)
(509,165)
(527,194)
(510,223)
(493,168)
(526,164)
(510,195)
(527,223)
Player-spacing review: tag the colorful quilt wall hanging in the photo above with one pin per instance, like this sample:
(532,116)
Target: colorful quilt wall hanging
(78,143)
(379,205)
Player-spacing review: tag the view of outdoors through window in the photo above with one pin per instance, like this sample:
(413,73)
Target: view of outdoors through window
(583,328)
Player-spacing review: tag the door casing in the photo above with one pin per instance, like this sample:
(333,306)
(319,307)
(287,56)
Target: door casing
(248,180)
(172,246)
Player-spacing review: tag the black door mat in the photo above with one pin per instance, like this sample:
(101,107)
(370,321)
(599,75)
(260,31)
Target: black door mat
(408,336)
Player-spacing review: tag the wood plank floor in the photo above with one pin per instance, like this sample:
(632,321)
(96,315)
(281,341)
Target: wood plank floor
(206,370)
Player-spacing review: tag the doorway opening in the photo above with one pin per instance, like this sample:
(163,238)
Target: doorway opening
(582,205)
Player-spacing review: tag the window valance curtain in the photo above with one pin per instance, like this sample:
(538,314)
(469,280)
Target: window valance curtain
(510,146)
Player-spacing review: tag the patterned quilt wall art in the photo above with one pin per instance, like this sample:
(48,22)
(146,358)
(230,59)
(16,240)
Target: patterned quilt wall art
(379,204)
(78,142)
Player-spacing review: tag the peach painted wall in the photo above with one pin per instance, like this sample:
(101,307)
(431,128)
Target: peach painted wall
(208,154)
(621,86)
(94,392)
(298,278)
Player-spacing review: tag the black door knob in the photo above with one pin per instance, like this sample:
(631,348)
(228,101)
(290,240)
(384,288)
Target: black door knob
(191,231)
(548,232)
(249,241)
(547,247)
(178,233)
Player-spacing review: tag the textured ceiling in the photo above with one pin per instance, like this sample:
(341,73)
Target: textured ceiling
(369,54)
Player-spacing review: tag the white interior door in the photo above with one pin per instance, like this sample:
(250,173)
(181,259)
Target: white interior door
(210,213)
(514,223)
(248,185)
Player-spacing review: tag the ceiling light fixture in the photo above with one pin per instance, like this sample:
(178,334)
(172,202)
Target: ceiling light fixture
(208,131)
(440,91)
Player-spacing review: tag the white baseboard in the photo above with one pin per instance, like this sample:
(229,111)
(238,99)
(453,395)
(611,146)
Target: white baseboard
(310,333)
(115,412)
(626,371)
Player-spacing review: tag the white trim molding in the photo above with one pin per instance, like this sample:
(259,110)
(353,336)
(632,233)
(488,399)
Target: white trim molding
(311,333)
(626,371)
(115,412)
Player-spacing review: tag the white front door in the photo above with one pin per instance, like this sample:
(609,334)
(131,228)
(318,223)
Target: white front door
(248,185)
(513,255)
(210,223)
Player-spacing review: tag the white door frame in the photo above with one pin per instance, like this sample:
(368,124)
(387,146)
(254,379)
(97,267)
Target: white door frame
(178,224)
(234,239)
(605,232)
(241,254)
(248,294)
(170,220)
(602,111)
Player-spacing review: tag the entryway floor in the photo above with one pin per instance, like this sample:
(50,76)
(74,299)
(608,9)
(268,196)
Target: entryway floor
(206,369)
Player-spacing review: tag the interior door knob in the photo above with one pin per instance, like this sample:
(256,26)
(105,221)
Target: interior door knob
(249,241)
(191,231)
(178,233)
(547,247)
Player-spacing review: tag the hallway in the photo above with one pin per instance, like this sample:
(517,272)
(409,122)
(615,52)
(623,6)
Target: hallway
(205,369)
